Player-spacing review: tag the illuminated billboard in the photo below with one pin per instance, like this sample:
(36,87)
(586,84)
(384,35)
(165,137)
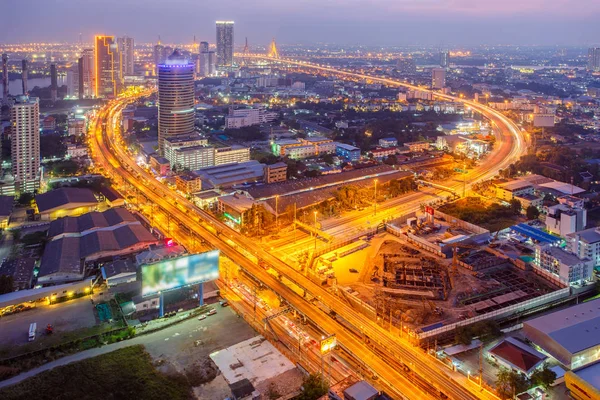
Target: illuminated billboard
(328,344)
(178,272)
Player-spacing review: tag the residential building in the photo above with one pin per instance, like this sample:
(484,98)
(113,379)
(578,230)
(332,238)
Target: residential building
(276,172)
(381,153)
(509,190)
(388,142)
(127,52)
(406,66)
(569,335)
(76,151)
(562,219)
(248,116)
(88,75)
(444,59)
(438,78)
(231,154)
(348,152)
(49,124)
(188,183)
(513,354)
(224,43)
(73,82)
(416,147)
(585,244)
(207,60)
(566,267)
(176,110)
(76,126)
(107,68)
(593,63)
(53,83)
(25,143)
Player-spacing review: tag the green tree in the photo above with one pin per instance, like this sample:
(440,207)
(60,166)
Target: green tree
(510,383)
(463,335)
(6,284)
(543,377)
(515,206)
(532,212)
(313,387)
(25,199)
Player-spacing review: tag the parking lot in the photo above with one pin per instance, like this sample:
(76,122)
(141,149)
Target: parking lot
(68,316)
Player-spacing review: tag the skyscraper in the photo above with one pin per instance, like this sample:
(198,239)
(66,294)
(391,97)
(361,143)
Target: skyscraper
(53,83)
(159,55)
(203,47)
(24,69)
(444,59)
(5,76)
(593,59)
(175,98)
(225,43)
(438,78)
(88,74)
(73,79)
(80,69)
(107,67)
(127,52)
(207,62)
(25,143)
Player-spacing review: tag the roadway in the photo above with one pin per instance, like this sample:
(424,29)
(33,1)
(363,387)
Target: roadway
(245,253)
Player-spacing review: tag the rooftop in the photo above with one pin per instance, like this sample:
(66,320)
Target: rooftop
(6,205)
(575,328)
(588,236)
(565,188)
(90,221)
(117,267)
(361,390)
(63,196)
(348,147)
(518,354)
(590,373)
(564,256)
(515,185)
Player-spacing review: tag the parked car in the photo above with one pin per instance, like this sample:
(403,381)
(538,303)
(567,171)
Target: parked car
(212,311)
(201,317)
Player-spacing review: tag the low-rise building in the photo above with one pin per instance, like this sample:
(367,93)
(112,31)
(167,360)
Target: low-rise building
(562,219)
(206,199)
(111,197)
(322,145)
(509,190)
(75,151)
(64,202)
(7,203)
(529,200)
(583,383)
(416,147)
(21,271)
(160,165)
(158,253)
(383,152)
(567,267)
(585,244)
(188,183)
(388,142)
(276,172)
(118,272)
(231,154)
(240,117)
(515,355)
(235,207)
(348,152)
(49,124)
(228,175)
(76,126)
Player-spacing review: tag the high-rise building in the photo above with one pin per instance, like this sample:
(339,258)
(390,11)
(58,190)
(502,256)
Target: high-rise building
(5,76)
(203,47)
(438,78)
(25,143)
(127,52)
(594,59)
(81,86)
(406,66)
(88,73)
(444,59)
(175,98)
(158,56)
(207,62)
(24,69)
(107,67)
(53,83)
(73,81)
(224,43)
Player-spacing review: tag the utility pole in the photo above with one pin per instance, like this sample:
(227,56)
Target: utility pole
(464,179)
(277,212)
(375,199)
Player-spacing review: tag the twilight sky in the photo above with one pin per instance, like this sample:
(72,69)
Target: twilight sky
(370,22)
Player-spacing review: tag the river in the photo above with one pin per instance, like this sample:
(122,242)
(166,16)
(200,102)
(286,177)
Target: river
(15,86)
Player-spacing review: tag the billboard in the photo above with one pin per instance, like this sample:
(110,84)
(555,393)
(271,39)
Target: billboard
(328,344)
(543,120)
(178,272)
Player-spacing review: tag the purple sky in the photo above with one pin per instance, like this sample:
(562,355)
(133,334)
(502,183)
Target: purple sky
(370,22)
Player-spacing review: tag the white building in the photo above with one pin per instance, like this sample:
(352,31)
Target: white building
(241,117)
(173,143)
(74,151)
(127,52)
(207,60)
(76,126)
(568,268)
(232,154)
(25,143)
(562,219)
(73,82)
(585,244)
(193,157)
(388,142)
(438,78)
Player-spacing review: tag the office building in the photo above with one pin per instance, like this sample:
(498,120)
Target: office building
(5,76)
(127,52)
(248,116)
(192,158)
(80,87)
(444,59)
(73,81)
(25,143)
(203,47)
(207,63)
(24,70)
(232,154)
(181,141)
(593,63)
(159,56)
(569,335)
(438,78)
(107,67)
(53,83)
(406,66)
(224,43)
(88,74)
(175,98)
(563,266)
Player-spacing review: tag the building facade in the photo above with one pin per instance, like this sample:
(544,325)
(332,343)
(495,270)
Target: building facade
(25,143)
(593,63)
(568,268)
(224,43)
(175,98)
(276,172)
(107,67)
(438,78)
(241,117)
(127,51)
(232,154)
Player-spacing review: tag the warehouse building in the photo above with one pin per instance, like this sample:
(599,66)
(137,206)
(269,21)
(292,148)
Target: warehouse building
(572,335)
(584,383)
(64,202)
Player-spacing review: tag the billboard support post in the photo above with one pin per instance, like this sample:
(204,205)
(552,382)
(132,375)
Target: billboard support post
(161,305)
(201,293)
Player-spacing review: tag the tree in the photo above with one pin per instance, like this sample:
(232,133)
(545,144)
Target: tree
(532,212)
(313,387)
(543,377)
(25,199)
(6,284)
(328,159)
(510,383)
(515,206)
(463,335)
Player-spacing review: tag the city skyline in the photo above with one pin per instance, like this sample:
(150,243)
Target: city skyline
(380,22)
